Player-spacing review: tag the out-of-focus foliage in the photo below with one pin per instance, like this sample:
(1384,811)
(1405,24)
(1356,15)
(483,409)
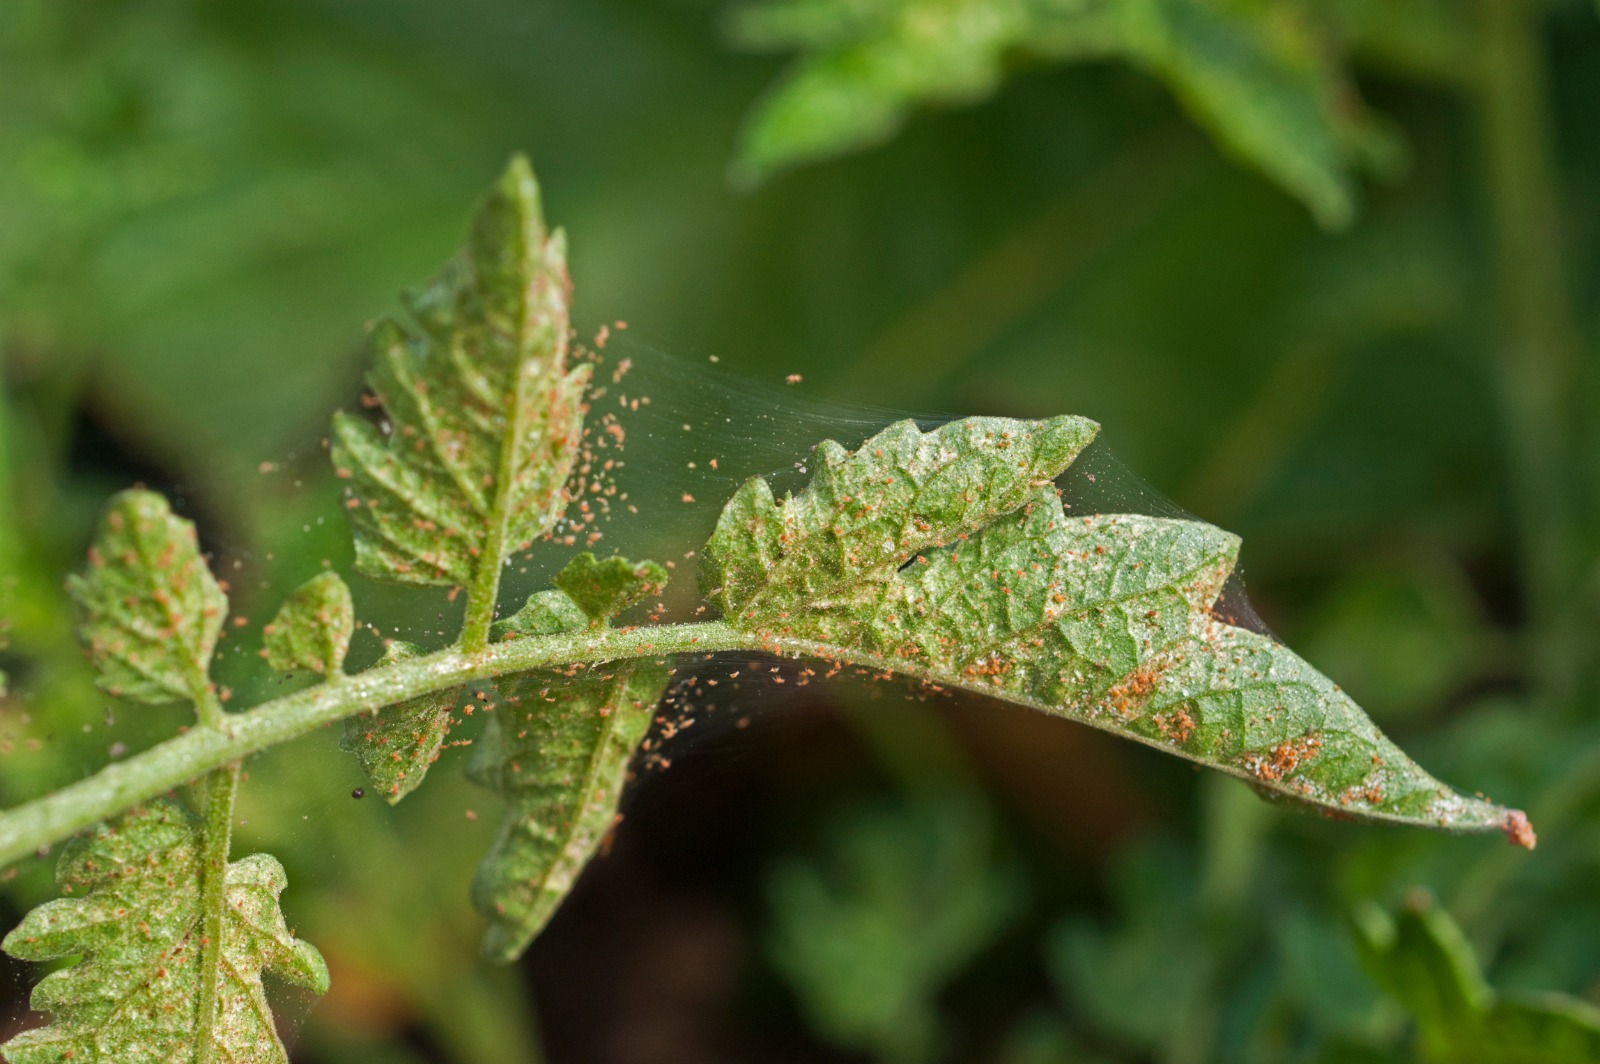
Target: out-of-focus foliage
(897,902)
(197,197)
(1266,77)
(1424,962)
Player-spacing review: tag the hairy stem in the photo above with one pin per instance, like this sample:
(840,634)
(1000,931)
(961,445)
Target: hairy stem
(33,825)
(221,787)
(207,708)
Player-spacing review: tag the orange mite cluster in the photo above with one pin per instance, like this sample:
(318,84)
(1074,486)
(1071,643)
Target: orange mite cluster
(1282,760)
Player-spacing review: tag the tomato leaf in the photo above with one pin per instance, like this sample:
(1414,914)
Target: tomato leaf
(397,744)
(940,556)
(133,911)
(312,629)
(482,418)
(150,610)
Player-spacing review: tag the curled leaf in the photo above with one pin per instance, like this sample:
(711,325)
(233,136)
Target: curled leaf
(150,610)
(133,911)
(397,744)
(312,629)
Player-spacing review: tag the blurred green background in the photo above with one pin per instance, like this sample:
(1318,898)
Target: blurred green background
(1328,272)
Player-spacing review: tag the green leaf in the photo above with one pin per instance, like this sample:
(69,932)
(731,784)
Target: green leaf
(150,610)
(899,902)
(1259,80)
(1104,619)
(312,629)
(604,589)
(866,512)
(1264,79)
(133,911)
(1144,981)
(1422,959)
(397,744)
(863,66)
(546,613)
(557,749)
(483,418)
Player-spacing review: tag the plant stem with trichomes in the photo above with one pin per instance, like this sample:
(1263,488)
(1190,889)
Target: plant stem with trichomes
(214,743)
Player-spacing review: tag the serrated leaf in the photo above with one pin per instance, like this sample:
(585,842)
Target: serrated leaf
(133,910)
(1263,79)
(150,610)
(867,511)
(312,629)
(483,418)
(558,751)
(1422,959)
(603,589)
(397,744)
(1102,619)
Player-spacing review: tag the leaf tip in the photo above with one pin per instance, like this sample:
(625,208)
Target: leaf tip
(518,188)
(1519,829)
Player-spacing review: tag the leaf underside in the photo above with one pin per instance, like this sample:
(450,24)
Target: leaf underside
(603,589)
(132,908)
(1104,619)
(398,743)
(483,419)
(150,610)
(312,629)
(557,749)
(1269,89)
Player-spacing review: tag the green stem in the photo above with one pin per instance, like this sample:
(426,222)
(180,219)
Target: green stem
(208,710)
(221,787)
(1536,353)
(43,821)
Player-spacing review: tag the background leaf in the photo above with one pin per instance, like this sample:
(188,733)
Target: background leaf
(897,902)
(1263,78)
(1424,961)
